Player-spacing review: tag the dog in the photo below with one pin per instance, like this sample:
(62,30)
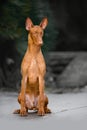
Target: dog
(33,70)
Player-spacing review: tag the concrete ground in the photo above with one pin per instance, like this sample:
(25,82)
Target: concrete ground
(69,112)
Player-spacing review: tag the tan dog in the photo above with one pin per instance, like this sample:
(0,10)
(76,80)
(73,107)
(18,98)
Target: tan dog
(33,69)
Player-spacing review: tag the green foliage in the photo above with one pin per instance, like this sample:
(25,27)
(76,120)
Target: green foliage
(13,14)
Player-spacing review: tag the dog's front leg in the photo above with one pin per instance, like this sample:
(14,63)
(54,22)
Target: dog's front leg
(41,97)
(22,101)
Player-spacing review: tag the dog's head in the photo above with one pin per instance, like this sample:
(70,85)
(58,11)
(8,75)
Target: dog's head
(36,31)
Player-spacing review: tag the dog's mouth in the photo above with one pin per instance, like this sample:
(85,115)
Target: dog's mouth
(38,42)
(41,43)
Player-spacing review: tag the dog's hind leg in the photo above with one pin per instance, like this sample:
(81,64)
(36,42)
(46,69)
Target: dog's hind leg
(46,109)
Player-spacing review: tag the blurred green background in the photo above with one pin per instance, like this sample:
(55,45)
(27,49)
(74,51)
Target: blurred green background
(13,14)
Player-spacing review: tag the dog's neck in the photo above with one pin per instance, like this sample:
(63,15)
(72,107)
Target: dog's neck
(32,47)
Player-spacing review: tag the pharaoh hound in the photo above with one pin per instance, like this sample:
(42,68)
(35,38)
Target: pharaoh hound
(33,69)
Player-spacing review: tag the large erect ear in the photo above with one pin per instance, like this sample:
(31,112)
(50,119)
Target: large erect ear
(44,23)
(28,24)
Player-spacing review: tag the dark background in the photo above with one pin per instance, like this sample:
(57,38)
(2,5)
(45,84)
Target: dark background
(64,39)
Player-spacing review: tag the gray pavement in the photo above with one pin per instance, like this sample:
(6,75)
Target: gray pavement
(69,112)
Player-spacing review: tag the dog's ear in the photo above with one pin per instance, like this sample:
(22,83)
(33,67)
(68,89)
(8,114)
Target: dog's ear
(28,24)
(44,23)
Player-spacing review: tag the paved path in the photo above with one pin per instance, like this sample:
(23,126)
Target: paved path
(69,112)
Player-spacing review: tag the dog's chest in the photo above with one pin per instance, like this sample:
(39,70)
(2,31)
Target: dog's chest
(33,66)
(31,101)
(33,71)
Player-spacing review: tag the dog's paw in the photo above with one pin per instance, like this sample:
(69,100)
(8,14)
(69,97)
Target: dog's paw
(23,112)
(41,112)
(16,111)
(47,110)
